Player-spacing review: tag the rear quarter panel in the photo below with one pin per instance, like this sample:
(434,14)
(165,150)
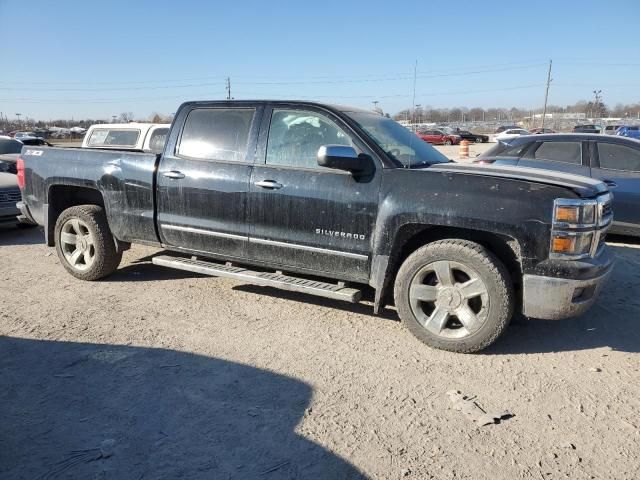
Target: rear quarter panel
(124,179)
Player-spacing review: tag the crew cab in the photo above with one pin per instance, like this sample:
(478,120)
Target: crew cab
(323,200)
(133,136)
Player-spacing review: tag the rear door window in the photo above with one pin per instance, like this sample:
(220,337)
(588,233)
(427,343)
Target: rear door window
(216,134)
(566,152)
(618,157)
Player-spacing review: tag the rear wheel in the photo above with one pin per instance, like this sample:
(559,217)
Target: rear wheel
(447,142)
(454,295)
(479,140)
(84,243)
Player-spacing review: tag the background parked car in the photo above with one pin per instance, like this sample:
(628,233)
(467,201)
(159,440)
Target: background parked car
(438,137)
(20,135)
(629,131)
(611,129)
(472,137)
(9,196)
(502,128)
(538,131)
(509,134)
(589,128)
(10,151)
(610,158)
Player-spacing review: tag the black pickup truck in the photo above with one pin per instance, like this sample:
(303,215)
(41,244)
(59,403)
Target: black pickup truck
(321,199)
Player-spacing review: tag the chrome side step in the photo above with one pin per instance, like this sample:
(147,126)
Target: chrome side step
(267,279)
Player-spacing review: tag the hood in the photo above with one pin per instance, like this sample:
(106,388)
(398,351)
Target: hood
(584,187)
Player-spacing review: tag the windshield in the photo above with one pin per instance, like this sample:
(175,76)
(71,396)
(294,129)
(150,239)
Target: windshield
(399,143)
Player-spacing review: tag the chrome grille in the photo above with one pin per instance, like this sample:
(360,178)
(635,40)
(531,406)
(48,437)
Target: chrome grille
(10,196)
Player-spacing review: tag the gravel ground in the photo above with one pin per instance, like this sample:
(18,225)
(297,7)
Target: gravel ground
(156,373)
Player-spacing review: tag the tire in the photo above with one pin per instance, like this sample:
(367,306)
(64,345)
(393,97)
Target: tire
(447,142)
(82,233)
(479,140)
(477,287)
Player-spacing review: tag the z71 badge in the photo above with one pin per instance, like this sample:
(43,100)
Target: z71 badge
(35,153)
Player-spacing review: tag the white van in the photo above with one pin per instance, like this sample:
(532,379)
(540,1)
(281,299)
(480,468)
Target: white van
(141,137)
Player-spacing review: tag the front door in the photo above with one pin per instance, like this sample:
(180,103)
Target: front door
(203,185)
(303,216)
(619,167)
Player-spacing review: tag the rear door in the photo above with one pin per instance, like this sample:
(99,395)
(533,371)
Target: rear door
(304,216)
(571,156)
(203,180)
(619,166)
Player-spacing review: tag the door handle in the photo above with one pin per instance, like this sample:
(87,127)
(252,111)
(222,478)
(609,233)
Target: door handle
(271,184)
(173,174)
(610,183)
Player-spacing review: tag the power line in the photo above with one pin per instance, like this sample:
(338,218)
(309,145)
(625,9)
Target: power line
(299,82)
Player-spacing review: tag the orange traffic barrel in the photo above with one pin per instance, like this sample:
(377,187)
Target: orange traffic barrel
(464,149)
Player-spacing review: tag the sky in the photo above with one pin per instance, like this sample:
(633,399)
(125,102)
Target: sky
(79,59)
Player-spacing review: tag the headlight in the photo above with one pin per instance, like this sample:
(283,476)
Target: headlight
(574,232)
(570,213)
(571,245)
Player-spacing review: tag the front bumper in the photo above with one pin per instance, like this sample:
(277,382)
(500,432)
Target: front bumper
(25,214)
(9,214)
(554,298)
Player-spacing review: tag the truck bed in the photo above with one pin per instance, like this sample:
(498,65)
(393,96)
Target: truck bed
(124,179)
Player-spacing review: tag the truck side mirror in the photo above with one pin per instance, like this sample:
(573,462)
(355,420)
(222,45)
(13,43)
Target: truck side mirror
(343,157)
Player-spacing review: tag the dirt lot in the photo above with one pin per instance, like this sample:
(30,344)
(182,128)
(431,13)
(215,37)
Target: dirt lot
(156,374)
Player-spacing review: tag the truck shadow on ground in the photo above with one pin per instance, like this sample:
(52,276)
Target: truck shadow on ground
(82,410)
(10,234)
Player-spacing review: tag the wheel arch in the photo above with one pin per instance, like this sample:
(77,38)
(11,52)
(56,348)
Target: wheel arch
(412,236)
(61,197)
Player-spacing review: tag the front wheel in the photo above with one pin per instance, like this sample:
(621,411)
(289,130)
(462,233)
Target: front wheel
(447,142)
(84,243)
(479,140)
(454,295)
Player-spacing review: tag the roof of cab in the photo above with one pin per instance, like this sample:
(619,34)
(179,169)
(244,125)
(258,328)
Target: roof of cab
(331,106)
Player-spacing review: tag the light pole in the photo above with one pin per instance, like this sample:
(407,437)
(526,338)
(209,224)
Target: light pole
(19,124)
(419,114)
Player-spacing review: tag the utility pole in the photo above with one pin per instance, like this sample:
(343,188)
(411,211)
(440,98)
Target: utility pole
(546,94)
(596,105)
(228,88)
(415,75)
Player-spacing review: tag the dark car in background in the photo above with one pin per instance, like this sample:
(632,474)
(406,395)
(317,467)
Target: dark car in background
(538,131)
(10,150)
(589,128)
(612,159)
(472,137)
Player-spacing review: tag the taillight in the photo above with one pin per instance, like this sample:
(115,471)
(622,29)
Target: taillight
(20,167)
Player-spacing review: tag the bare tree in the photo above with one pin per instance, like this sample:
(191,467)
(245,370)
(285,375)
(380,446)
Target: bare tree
(126,117)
